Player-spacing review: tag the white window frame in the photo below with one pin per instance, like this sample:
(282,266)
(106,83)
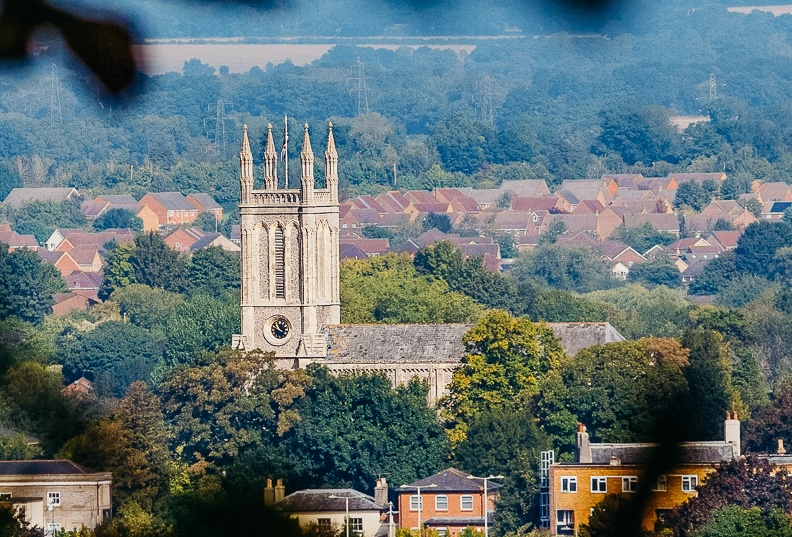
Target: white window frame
(661,484)
(441,502)
(569,484)
(629,483)
(53,528)
(565,517)
(466,499)
(416,502)
(599,485)
(5,496)
(53,499)
(441,532)
(689,483)
(356,525)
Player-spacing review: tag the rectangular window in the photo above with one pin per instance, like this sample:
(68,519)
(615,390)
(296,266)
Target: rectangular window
(356,525)
(324,523)
(661,485)
(53,499)
(629,484)
(441,503)
(466,502)
(441,532)
(565,518)
(599,484)
(53,528)
(689,483)
(5,496)
(416,502)
(280,264)
(544,508)
(569,484)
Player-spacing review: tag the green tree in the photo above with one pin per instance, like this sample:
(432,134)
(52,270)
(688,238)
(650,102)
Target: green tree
(221,406)
(147,307)
(207,221)
(203,323)
(115,353)
(213,271)
(461,143)
(753,205)
(709,379)
(467,275)
(9,179)
(27,285)
(13,524)
(388,289)
(620,391)
(658,271)
(438,221)
(564,267)
(642,237)
(41,218)
(119,270)
(771,423)
(692,194)
(155,264)
(505,359)
(758,244)
(118,218)
(506,442)
(733,521)
(553,232)
(352,426)
(719,273)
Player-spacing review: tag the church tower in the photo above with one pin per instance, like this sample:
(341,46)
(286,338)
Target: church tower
(290,254)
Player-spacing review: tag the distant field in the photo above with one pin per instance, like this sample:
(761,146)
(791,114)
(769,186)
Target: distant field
(165,57)
(785,9)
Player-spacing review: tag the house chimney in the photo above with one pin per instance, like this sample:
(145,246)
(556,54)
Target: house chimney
(731,432)
(381,492)
(280,490)
(583,448)
(269,493)
(780,450)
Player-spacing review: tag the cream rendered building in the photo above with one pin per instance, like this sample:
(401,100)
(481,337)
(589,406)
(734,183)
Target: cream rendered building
(291,291)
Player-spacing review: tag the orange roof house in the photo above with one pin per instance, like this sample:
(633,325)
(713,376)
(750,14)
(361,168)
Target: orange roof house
(183,238)
(171,208)
(206,204)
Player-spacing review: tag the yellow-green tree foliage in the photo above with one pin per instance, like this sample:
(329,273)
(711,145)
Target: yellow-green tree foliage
(505,359)
(388,289)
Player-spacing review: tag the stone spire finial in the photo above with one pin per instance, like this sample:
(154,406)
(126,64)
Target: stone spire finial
(331,164)
(270,162)
(307,161)
(245,168)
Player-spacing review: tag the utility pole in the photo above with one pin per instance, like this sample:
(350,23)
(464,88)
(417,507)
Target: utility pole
(55,102)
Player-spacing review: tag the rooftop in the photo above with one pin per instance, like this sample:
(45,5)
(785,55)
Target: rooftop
(321,500)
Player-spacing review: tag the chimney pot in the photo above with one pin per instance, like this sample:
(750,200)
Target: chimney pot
(280,490)
(269,493)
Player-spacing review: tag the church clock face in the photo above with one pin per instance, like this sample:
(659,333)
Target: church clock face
(278,330)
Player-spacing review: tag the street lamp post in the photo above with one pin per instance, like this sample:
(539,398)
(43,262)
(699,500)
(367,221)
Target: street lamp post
(420,501)
(346,508)
(486,499)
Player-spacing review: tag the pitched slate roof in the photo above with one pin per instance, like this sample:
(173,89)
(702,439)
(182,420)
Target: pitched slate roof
(395,343)
(205,201)
(453,480)
(526,188)
(117,199)
(349,250)
(577,336)
(642,453)
(320,500)
(19,196)
(58,466)
(172,201)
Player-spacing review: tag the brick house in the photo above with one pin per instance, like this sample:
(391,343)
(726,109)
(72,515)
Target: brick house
(171,208)
(206,204)
(610,468)
(56,494)
(449,501)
